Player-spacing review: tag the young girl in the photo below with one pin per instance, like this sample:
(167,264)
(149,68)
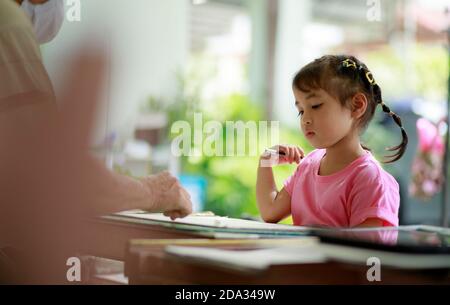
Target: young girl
(340,184)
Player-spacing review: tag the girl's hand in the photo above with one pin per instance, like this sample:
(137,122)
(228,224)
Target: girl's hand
(286,154)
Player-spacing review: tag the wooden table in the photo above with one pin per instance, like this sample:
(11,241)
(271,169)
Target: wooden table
(147,263)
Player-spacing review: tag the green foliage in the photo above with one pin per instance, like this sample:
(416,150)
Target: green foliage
(153,104)
(421,72)
(231,180)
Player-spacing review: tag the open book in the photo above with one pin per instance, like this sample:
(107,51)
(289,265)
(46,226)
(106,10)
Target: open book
(207,222)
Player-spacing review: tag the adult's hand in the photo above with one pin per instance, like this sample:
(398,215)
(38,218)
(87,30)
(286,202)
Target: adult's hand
(167,195)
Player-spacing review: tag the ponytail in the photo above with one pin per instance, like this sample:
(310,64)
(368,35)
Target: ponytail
(357,70)
(401,148)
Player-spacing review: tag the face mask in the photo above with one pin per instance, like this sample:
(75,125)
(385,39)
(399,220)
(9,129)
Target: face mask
(46,18)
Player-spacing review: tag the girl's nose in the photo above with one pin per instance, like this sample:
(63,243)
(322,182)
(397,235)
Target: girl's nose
(306,121)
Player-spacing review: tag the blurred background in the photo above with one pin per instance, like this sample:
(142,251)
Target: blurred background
(234,60)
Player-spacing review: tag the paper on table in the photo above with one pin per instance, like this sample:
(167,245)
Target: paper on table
(214,221)
(250,260)
(308,253)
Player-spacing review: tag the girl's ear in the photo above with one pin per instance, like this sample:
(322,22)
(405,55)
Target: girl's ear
(359,105)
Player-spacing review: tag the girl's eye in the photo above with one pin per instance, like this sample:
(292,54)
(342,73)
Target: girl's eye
(313,107)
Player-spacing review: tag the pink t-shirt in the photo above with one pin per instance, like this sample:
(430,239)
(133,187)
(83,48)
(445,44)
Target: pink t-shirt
(347,198)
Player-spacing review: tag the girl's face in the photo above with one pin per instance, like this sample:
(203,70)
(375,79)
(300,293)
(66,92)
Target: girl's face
(323,120)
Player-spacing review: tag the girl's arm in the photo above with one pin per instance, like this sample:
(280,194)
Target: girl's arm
(274,205)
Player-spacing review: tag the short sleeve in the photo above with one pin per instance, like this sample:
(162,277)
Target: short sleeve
(374,196)
(290,181)
(22,70)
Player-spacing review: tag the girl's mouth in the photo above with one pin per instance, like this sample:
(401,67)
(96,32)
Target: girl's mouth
(309,134)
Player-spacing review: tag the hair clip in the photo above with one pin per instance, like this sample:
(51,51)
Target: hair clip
(370,78)
(349,63)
